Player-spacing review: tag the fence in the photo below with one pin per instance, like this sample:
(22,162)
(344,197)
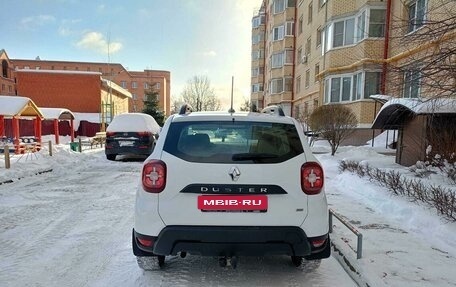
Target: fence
(7,153)
(359,247)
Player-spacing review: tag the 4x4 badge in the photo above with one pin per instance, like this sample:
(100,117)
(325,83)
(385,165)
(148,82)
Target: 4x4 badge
(234,173)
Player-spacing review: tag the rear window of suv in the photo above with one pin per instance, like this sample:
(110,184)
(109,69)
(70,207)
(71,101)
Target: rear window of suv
(233,142)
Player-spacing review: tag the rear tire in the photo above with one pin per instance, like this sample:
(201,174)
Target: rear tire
(111,156)
(296,260)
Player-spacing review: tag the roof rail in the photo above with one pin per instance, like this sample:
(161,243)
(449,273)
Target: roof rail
(185,109)
(273,110)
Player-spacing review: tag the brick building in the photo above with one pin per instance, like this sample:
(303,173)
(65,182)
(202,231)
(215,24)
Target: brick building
(135,82)
(307,53)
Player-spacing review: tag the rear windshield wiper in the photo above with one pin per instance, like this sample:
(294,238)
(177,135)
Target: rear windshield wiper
(252,156)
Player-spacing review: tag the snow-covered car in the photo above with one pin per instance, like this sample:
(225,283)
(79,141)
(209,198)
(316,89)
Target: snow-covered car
(260,191)
(131,134)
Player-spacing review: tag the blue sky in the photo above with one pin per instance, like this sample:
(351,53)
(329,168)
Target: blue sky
(185,37)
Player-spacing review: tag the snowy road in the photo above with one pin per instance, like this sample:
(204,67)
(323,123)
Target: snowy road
(72,227)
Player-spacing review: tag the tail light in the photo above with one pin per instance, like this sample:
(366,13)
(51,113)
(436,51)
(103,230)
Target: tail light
(145,242)
(154,176)
(317,243)
(312,178)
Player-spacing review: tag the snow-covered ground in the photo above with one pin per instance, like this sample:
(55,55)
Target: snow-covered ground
(66,220)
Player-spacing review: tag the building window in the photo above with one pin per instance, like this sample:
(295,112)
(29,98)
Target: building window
(256,71)
(317,71)
(257,21)
(277,60)
(134,97)
(257,88)
(315,103)
(299,55)
(278,33)
(123,84)
(146,86)
(288,57)
(371,84)
(276,86)
(309,15)
(307,78)
(134,85)
(288,84)
(279,6)
(416,14)
(289,31)
(351,87)
(318,41)
(308,45)
(321,2)
(157,86)
(357,88)
(377,23)
(300,24)
(344,33)
(257,38)
(298,84)
(361,26)
(412,84)
(257,54)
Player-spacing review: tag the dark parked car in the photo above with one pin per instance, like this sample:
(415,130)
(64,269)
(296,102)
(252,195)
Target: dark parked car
(131,134)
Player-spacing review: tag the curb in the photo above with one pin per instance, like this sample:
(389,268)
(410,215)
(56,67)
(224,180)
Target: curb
(351,265)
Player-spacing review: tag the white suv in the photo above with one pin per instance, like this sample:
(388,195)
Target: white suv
(256,191)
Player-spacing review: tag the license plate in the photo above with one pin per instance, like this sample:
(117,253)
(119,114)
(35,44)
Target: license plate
(126,143)
(230,202)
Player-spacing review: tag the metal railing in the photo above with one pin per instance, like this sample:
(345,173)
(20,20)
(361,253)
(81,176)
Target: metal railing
(359,245)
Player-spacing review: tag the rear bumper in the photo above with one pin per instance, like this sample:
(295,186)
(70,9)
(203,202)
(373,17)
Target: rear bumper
(231,240)
(128,150)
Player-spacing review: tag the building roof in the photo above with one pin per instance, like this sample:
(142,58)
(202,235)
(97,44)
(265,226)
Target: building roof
(57,113)
(117,88)
(59,72)
(396,110)
(11,106)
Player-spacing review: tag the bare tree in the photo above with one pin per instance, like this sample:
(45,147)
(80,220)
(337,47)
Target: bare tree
(245,107)
(333,123)
(428,39)
(176,105)
(425,67)
(199,94)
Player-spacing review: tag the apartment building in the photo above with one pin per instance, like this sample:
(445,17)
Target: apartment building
(319,52)
(135,82)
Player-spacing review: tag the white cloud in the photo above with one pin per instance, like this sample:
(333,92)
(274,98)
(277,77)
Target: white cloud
(97,42)
(33,21)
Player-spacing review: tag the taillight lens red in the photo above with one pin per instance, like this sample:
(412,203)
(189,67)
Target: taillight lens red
(154,176)
(109,134)
(312,178)
(145,242)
